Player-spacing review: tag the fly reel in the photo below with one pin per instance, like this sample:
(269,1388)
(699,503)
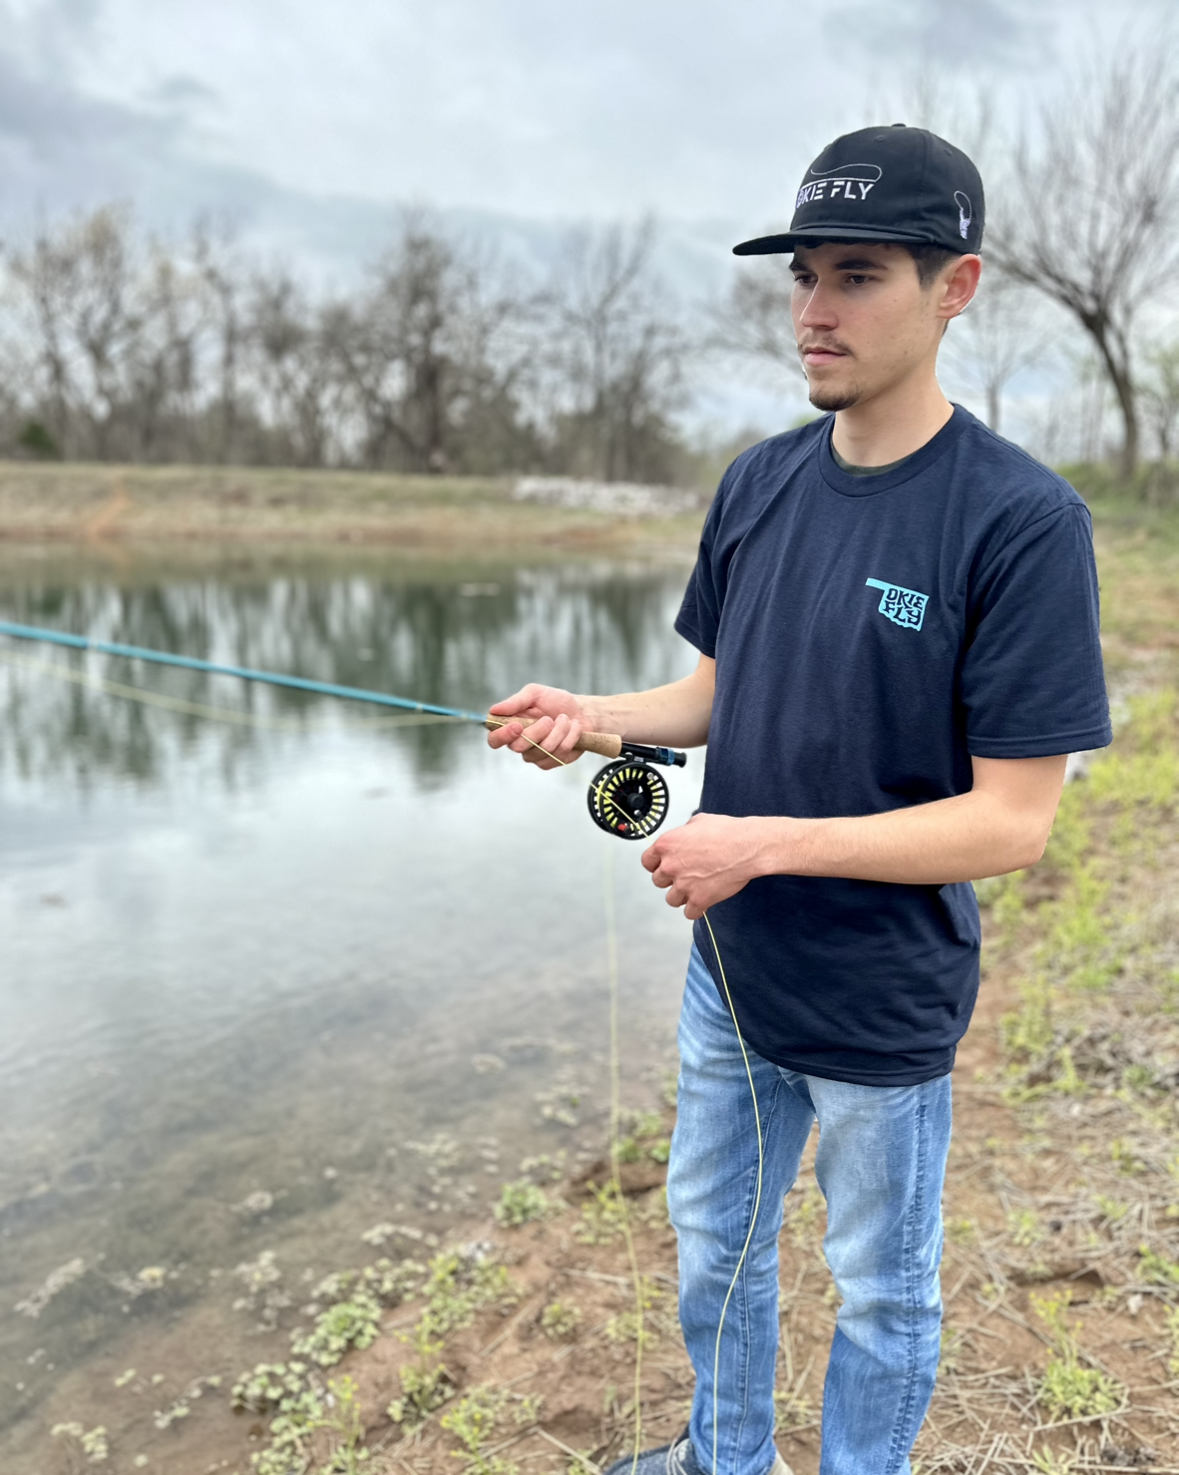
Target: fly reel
(629,797)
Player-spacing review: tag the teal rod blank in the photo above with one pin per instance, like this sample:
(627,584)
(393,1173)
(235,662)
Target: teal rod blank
(244,673)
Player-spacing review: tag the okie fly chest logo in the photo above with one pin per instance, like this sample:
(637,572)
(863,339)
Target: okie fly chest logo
(847,182)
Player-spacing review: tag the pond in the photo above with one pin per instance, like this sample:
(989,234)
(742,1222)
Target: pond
(282,971)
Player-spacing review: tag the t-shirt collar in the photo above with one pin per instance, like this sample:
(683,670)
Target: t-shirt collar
(920,461)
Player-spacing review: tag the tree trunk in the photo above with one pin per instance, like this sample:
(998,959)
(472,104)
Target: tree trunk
(1118,369)
(994,404)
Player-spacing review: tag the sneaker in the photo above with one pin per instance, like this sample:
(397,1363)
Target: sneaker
(676,1458)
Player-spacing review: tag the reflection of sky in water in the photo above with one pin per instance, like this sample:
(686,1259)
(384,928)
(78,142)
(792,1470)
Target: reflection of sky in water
(234,957)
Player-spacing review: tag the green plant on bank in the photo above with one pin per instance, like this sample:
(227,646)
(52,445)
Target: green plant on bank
(347,1324)
(637,1324)
(1067,1390)
(93,1443)
(559,1321)
(522,1202)
(456,1287)
(1157,1269)
(1083,938)
(475,1418)
(602,1218)
(1050,1462)
(1171,1316)
(308,1419)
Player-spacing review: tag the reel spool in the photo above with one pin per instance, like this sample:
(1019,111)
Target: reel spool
(628,798)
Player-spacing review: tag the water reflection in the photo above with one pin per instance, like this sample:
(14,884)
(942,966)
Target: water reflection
(452,641)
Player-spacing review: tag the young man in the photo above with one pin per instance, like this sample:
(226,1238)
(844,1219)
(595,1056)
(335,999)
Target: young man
(896,613)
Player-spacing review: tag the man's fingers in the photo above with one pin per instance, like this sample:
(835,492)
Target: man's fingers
(675,897)
(500,737)
(516,705)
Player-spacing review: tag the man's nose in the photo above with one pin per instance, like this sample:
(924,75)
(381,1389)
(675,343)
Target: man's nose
(817,309)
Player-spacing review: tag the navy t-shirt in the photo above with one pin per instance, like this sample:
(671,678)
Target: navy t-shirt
(871,634)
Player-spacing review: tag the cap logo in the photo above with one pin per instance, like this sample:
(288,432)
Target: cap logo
(851,181)
(964,213)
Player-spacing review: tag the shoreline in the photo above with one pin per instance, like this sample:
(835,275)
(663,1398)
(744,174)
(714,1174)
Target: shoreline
(100,507)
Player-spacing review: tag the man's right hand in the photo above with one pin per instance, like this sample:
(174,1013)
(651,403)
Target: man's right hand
(556,719)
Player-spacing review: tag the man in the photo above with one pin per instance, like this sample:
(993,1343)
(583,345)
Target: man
(896,613)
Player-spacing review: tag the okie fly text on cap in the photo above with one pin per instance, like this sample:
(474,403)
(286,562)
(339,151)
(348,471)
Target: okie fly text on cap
(885,184)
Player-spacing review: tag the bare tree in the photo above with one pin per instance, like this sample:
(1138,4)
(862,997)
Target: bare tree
(754,321)
(618,354)
(293,355)
(427,348)
(1089,213)
(1000,334)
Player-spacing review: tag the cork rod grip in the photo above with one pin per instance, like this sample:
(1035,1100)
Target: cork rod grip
(605,744)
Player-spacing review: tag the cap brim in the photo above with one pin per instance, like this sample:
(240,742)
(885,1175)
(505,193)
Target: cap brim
(833,232)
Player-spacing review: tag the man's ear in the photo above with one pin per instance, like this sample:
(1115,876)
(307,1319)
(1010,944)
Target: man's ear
(959,286)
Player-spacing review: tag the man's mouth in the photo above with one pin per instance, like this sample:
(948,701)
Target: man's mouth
(817,355)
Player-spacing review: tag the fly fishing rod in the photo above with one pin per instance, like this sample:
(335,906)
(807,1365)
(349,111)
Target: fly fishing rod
(628,798)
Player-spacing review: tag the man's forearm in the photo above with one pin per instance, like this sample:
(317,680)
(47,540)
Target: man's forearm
(959,839)
(676,715)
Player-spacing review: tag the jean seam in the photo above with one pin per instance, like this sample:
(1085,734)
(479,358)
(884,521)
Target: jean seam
(897,1447)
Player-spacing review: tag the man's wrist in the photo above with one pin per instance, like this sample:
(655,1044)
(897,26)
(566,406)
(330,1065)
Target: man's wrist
(783,845)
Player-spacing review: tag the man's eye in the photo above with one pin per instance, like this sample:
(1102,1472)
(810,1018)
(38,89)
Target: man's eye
(857,279)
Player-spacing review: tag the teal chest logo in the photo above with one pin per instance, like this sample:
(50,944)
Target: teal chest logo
(902,606)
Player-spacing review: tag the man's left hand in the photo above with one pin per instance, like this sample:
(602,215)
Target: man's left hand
(707,860)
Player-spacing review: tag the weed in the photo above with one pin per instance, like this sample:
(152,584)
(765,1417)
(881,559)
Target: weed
(961,1230)
(459,1285)
(1068,1390)
(1051,1463)
(792,1409)
(1172,1319)
(472,1421)
(456,1287)
(804,1221)
(559,1321)
(347,1324)
(425,1384)
(1024,1227)
(1157,1269)
(521,1202)
(602,1216)
(93,1443)
(637,1325)
(1112,1210)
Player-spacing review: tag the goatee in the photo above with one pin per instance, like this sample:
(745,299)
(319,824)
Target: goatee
(833,399)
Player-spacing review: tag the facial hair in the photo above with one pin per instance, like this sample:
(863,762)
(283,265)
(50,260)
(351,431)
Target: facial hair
(834,399)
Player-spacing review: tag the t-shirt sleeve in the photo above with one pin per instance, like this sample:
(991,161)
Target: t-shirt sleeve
(699,618)
(1032,681)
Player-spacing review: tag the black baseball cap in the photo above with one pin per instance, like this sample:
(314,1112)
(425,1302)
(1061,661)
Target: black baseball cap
(885,184)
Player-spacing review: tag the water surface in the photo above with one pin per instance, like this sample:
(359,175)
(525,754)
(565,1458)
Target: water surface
(268,983)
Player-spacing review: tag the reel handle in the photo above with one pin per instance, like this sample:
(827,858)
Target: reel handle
(605,744)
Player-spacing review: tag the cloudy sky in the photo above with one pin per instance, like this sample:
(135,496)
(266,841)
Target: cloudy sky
(306,126)
(300,116)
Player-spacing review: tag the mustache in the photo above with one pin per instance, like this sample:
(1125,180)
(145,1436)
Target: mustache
(829,345)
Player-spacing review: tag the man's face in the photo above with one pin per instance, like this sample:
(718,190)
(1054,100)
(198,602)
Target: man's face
(862,320)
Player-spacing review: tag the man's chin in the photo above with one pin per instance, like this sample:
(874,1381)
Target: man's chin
(834,397)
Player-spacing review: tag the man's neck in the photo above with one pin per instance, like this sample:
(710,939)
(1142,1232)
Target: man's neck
(891,425)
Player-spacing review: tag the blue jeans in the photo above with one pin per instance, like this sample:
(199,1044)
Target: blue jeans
(881,1163)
